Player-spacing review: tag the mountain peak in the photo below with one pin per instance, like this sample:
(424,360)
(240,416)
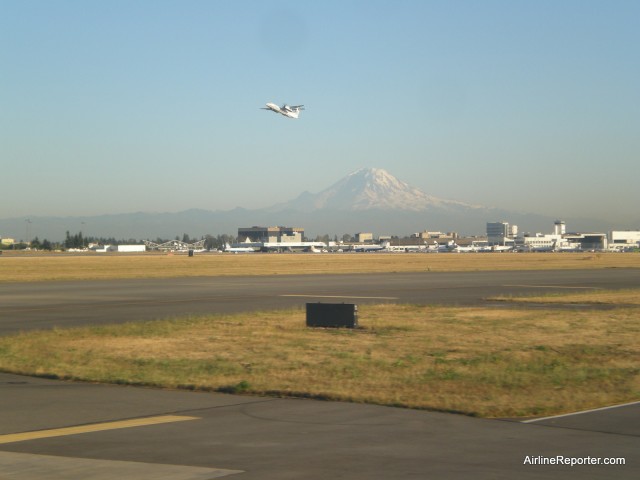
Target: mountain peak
(371,189)
(371,172)
(377,179)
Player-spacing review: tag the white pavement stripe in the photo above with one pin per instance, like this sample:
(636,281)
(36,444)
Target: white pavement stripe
(336,296)
(553,286)
(601,409)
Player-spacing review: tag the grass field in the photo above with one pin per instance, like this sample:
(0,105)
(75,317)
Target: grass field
(31,268)
(592,297)
(491,362)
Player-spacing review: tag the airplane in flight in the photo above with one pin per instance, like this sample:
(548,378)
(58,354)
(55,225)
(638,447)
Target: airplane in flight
(291,111)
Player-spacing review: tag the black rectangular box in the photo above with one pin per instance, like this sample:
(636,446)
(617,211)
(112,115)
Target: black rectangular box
(334,315)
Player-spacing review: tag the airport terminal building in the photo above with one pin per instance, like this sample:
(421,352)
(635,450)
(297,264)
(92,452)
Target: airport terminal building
(270,234)
(501,233)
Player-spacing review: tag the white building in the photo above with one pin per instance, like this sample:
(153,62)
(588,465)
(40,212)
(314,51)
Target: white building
(427,235)
(127,248)
(559,227)
(624,239)
(363,237)
(560,240)
(543,242)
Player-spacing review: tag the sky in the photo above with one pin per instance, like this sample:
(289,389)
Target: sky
(154,106)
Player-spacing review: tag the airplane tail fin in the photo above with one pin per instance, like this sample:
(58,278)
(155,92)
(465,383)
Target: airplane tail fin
(297,109)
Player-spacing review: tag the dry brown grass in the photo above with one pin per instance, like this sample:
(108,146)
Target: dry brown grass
(29,268)
(590,297)
(480,361)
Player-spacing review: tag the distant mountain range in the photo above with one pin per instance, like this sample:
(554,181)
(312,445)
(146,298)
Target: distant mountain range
(368,200)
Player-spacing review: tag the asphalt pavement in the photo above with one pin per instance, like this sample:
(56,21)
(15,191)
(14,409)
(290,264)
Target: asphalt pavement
(27,306)
(59,430)
(212,435)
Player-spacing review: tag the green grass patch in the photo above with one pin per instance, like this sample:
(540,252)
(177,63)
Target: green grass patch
(478,361)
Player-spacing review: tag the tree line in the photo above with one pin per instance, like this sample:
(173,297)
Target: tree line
(79,241)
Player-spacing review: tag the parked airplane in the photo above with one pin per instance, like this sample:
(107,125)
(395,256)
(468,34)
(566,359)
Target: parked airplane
(475,247)
(408,248)
(545,247)
(465,249)
(370,247)
(569,247)
(450,246)
(291,111)
(229,248)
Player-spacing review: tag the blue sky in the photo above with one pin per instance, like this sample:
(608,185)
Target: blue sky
(124,106)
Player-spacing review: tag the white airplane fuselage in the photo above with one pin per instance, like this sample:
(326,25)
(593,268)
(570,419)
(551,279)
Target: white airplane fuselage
(229,248)
(286,110)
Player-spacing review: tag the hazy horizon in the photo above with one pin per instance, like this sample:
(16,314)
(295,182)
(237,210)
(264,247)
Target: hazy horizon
(368,200)
(154,106)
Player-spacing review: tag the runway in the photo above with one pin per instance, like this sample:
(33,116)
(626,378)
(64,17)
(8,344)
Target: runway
(70,431)
(28,306)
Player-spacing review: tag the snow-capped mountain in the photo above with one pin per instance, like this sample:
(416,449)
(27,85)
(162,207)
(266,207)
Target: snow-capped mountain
(368,200)
(371,189)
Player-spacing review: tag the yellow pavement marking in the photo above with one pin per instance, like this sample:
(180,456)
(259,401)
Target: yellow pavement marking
(95,427)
